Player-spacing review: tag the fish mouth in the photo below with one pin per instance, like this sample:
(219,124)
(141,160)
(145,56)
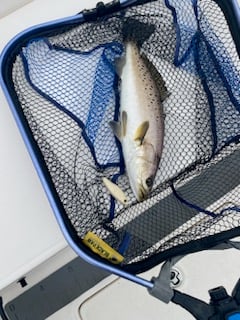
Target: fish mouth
(142,193)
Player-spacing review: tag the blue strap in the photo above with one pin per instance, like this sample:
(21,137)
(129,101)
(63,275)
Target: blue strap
(125,243)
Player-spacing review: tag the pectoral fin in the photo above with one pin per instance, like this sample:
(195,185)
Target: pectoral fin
(141,132)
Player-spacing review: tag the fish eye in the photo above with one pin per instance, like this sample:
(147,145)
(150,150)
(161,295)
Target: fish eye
(149,182)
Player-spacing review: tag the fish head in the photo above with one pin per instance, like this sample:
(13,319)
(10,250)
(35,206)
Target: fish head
(142,170)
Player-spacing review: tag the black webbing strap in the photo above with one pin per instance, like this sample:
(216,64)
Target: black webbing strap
(221,307)
(198,308)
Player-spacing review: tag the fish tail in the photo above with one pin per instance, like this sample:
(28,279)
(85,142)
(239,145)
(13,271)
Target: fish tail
(136,31)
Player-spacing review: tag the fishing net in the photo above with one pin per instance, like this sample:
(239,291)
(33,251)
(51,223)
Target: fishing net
(67,85)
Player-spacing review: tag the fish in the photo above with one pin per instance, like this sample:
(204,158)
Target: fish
(140,125)
(115,191)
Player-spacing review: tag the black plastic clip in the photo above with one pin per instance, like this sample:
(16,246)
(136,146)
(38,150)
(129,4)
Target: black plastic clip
(101,10)
(225,306)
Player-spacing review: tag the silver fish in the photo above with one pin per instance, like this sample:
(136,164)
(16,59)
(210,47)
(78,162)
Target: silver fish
(141,122)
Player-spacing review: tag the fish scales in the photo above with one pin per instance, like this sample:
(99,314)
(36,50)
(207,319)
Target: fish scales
(139,96)
(141,124)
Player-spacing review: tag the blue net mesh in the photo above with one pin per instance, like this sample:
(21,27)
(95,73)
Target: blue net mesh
(60,75)
(201,49)
(69,90)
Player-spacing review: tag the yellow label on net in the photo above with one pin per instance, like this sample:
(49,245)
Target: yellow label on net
(100,247)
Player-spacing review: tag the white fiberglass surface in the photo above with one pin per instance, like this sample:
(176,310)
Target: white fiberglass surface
(199,272)
(6,7)
(29,233)
(116,298)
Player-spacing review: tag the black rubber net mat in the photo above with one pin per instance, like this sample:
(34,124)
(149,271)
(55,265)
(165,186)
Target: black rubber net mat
(69,89)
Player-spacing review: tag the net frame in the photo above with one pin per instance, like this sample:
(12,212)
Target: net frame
(69,231)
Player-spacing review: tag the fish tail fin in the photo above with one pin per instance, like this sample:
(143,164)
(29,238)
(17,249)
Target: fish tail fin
(136,31)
